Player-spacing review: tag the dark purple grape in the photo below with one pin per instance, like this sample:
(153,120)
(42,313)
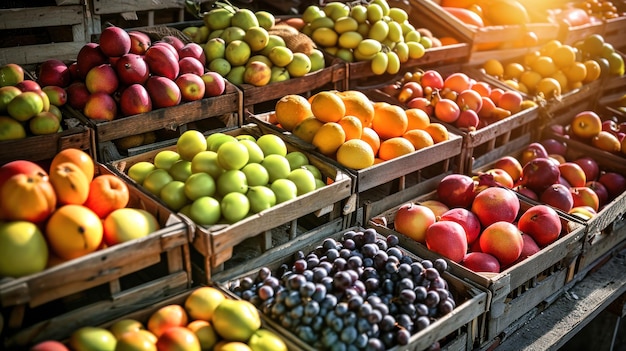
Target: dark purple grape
(320,292)
(368,262)
(431,273)
(247,295)
(375,317)
(272,282)
(380,259)
(328,283)
(438,283)
(329,338)
(392,240)
(339,264)
(404,321)
(329,302)
(349,334)
(383,308)
(317,323)
(264,273)
(318,274)
(355,302)
(345,253)
(427,263)
(327,266)
(388,338)
(369,250)
(388,323)
(416,268)
(369,272)
(349,244)
(391,267)
(394,259)
(349,319)
(364,309)
(358,239)
(388,286)
(299,266)
(405,283)
(306,333)
(295,281)
(286,321)
(266,306)
(445,307)
(421,323)
(293,299)
(407,296)
(265,292)
(372,284)
(341,308)
(246,283)
(329,243)
(421,309)
(375,344)
(404,270)
(370,236)
(432,298)
(403,336)
(373,300)
(355,262)
(296,312)
(307,289)
(408,309)
(363,325)
(332,255)
(342,280)
(396,252)
(256,300)
(361,341)
(278,309)
(382,244)
(354,275)
(441,265)
(336,324)
(312,308)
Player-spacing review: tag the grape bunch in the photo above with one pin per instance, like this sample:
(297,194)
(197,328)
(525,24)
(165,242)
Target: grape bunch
(361,292)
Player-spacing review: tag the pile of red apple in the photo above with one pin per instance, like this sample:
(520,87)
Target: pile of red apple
(479,224)
(55,215)
(457,99)
(543,173)
(125,74)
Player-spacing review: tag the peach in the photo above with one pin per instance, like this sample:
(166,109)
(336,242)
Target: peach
(481,262)
(573,173)
(448,239)
(467,219)
(502,240)
(178,338)
(511,165)
(413,220)
(585,196)
(167,317)
(436,206)
(542,223)
(496,204)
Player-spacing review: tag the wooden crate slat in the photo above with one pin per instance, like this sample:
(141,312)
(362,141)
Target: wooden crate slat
(101,7)
(29,17)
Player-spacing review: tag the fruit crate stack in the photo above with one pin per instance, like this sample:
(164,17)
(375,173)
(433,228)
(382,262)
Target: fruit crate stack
(313,253)
(518,284)
(217,241)
(115,271)
(59,32)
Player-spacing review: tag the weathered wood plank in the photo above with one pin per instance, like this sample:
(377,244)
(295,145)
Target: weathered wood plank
(29,17)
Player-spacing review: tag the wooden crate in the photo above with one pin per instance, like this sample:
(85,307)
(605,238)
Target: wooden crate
(519,288)
(215,245)
(219,112)
(35,34)
(456,331)
(614,32)
(99,286)
(482,38)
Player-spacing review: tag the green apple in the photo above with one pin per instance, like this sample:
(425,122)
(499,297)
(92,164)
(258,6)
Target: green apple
(265,18)
(206,162)
(297,159)
(214,48)
(214,141)
(205,210)
(23,249)
(190,143)
(284,189)
(156,180)
(304,180)
(255,154)
(199,185)
(266,340)
(316,171)
(140,170)
(261,198)
(230,181)
(236,74)
(173,195)
(256,174)
(235,207)
(231,34)
(277,166)
(272,144)
(237,52)
(319,183)
(125,224)
(300,65)
(279,74)
(180,170)
(217,18)
(317,60)
(241,137)
(232,155)
(281,56)
(165,159)
(92,338)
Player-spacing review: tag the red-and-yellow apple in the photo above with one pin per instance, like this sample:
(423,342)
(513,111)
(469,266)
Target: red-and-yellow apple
(53,72)
(502,240)
(438,207)
(600,190)
(139,42)
(481,262)
(11,74)
(448,239)
(106,194)
(102,78)
(88,57)
(190,65)
(467,219)
(540,173)
(558,196)
(214,84)
(162,61)
(585,196)
(194,50)
(132,69)
(56,95)
(531,152)
(191,86)
(413,220)
(542,223)
(496,204)
(178,338)
(135,100)
(100,106)
(456,190)
(125,224)
(114,41)
(163,92)
(573,174)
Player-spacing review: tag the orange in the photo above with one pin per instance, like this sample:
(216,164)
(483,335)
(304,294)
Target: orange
(327,106)
(74,231)
(513,70)
(438,132)
(78,157)
(419,138)
(352,126)
(549,88)
(356,154)
(483,88)
(544,65)
(395,147)
(576,72)
(329,138)
(549,47)
(564,56)
(389,120)
(417,118)
(593,71)
(359,105)
(292,109)
(372,138)
(307,128)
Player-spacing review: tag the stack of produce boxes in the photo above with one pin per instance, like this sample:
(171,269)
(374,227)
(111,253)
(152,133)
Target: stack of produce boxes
(99,247)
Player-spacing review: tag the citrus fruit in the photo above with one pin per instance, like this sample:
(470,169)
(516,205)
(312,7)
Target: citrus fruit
(329,138)
(438,132)
(395,147)
(419,138)
(292,109)
(359,105)
(327,106)
(372,138)
(389,120)
(493,67)
(356,154)
(307,128)
(352,126)
(416,118)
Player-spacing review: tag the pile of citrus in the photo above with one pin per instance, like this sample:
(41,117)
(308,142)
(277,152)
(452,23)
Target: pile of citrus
(357,132)
(556,68)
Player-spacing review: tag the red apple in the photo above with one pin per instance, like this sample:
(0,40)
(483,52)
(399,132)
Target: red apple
(502,240)
(214,84)
(533,151)
(163,92)
(522,190)
(135,100)
(573,173)
(539,173)
(139,42)
(20,167)
(102,79)
(89,56)
(501,177)
(600,190)
(481,262)
(610,126)
(564,182)
(496,204)
(28,85)
(589,166)
(162,62)
(456,190)
(553,146)
(106,194)
(131,69)
(468,119)
(558,196)
(467,219)
(114,41)
(412,220)
(194,50)
(542,223)
(53,72)
(169,47)
(433,79)
(448,239)
(49,345)
(190,65)
(614,183)
(178,338)
(423,104)
(529,248)
(100,106)
(77,95)
(585,196)
(191,86)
